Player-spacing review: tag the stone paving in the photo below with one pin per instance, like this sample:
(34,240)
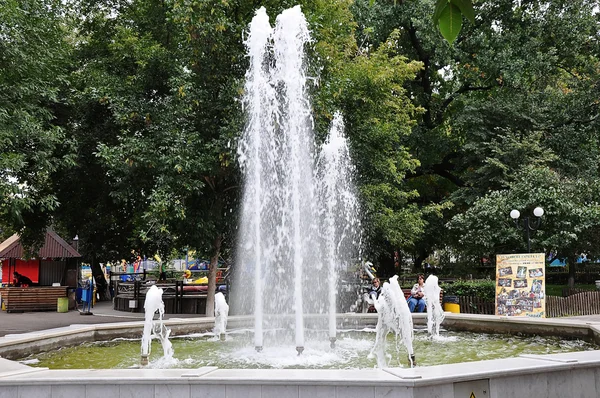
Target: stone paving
(13,323)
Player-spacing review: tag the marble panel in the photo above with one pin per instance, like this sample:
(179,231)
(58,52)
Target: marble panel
(136,390)
(316,391)
(207,391)
(35,391)
(530,385)
(171,390)
(8,392)
(354,392)
(101,390)
(68,391)
(242,391)
(576,383)
(290,391)
(394,392)
(437,391)
(560,385)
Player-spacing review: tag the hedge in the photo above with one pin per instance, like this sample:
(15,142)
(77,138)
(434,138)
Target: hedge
(485,289)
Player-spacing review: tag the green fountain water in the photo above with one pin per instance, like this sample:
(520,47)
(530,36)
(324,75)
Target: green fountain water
(351,351)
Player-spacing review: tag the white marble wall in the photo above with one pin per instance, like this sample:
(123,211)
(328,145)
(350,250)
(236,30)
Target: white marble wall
(573,375)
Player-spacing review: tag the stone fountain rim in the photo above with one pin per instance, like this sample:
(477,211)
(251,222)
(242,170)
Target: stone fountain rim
(17,376)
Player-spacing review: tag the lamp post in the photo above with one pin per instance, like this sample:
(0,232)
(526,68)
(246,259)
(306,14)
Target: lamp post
(527,223)
(76,244)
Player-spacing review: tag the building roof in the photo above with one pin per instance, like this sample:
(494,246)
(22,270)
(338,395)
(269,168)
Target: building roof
(54,247)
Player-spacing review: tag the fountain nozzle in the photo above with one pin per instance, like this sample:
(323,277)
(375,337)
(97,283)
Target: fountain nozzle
(332,342)
(299,349)
(144,360)
(258,348)
(412,361)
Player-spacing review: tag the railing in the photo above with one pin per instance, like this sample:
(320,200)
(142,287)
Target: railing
(584,303)
(476,305)
(178,297)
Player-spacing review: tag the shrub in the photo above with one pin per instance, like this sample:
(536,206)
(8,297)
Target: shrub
(485,289)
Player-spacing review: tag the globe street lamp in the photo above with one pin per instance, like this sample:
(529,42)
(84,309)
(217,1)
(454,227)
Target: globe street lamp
(527,223)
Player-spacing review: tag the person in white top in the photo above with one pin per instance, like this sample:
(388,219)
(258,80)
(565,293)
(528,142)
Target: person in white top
(416,301)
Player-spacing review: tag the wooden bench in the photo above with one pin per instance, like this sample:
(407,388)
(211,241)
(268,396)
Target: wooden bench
(407,294)
(42,298)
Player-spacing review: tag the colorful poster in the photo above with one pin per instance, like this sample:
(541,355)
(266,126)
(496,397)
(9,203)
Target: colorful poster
(520,285)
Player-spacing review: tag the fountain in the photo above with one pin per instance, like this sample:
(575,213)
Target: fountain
(299,218)
(290,227)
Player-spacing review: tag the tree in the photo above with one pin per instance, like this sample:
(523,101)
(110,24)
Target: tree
(512,89)
(33,59)
(570,225)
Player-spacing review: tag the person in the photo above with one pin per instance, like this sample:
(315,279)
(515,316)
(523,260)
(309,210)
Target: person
(21,280)
(416,301)
(163,273)
(375,289)
(373,295)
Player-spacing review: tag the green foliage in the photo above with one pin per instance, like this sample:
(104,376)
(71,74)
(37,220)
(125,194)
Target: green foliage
(448,15)
(33,145)
(118,121)
(557,290)
(570,223)
(368,89)
(450,22)
(510,92)
(485,289)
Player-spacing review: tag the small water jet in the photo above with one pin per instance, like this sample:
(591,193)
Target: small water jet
(435,313)
(221,313)
(393,315)
(152,328)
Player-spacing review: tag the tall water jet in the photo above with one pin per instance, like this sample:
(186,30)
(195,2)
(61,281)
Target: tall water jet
(254,153)
(281,252)
(152,305)
(435,313)
(340,208)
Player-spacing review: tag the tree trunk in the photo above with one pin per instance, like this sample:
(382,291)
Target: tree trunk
(572,261)
(99,280)
(212,277)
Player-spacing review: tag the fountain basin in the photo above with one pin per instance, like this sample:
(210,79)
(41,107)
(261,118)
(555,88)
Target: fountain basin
(351,351)
(536,375)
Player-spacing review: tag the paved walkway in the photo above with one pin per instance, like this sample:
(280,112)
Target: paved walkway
(103,312)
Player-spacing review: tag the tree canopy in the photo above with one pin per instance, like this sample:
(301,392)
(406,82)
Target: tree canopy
(119,121)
